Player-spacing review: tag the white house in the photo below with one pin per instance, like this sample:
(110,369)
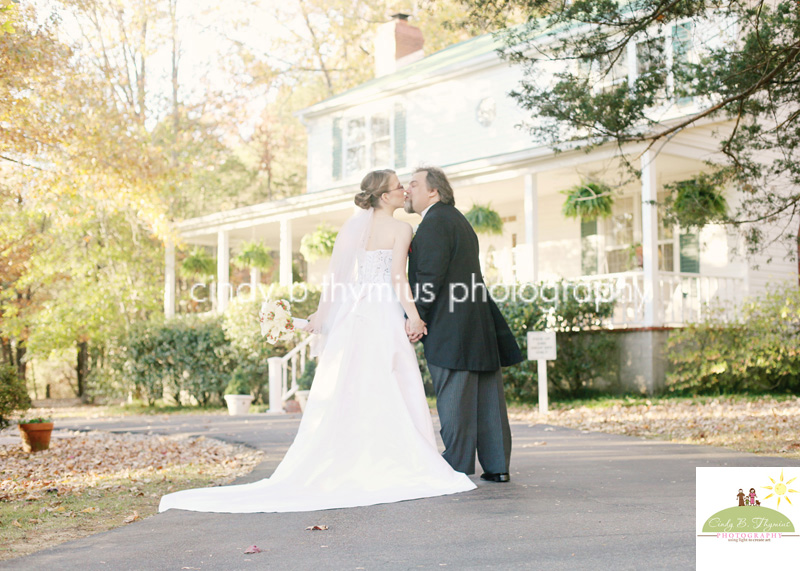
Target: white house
(451,109)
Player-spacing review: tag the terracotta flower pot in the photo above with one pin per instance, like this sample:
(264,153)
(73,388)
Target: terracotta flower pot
(36,436)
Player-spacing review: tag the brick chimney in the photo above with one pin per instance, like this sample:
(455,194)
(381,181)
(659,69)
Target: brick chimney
(397,43)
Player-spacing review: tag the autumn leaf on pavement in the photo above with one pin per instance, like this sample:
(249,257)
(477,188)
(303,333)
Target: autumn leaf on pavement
(317,528)
(253,549)
(131,518)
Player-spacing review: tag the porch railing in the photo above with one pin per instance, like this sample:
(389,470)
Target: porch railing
(284,372)
(679,298)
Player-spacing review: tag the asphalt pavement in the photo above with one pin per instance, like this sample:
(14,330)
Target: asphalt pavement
(575,501)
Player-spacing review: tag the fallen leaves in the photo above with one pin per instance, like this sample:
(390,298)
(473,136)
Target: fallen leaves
(131,518)
(253,549)
(763,425)
(86,460)
(317,528)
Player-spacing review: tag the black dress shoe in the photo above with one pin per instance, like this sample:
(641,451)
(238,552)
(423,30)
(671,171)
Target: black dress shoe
(489,477)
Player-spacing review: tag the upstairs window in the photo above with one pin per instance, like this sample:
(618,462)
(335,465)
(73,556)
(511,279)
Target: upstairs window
(369,142)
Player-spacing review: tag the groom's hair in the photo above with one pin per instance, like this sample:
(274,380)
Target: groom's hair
(435,178)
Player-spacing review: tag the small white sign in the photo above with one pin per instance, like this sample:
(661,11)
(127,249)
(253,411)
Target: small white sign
(542,345)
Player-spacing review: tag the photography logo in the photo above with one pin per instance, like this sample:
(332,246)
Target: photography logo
(751,512)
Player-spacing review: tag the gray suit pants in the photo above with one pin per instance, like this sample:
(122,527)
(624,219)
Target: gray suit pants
(472,411)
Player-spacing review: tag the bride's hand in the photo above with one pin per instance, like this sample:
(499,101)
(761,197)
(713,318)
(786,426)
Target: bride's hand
(415,329)
(312,326)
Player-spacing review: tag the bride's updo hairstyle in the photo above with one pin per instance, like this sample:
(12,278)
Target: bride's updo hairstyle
(373,186)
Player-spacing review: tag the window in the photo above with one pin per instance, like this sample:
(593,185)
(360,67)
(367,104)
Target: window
(618,237)
(381,152)
(651,65)
(355,148)
(607,245)
(610,72)
(682,54)
(369,142)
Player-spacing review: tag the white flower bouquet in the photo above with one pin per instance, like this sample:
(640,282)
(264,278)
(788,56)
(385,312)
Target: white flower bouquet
(277,323)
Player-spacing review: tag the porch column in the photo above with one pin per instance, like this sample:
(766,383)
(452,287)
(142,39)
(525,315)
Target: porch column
(285,269)
(531,208)
(169,279)
(651,293)
(255,278)
(223,276)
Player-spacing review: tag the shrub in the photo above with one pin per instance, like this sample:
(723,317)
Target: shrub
(13,394)
(188,356)
(304,381)
(583,347)
(758,352)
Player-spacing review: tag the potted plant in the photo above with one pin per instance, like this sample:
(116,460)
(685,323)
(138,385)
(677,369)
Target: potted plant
(588,201)
(696,202)
(254,255)
(304,384)
(237,393)
(484,220)
(36,433)
(318,244)
(199,263)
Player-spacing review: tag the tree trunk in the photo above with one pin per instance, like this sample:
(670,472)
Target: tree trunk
(20,359)
(8,357)
(83,366)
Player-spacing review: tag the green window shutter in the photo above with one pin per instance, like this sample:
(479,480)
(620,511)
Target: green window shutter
(589,247)
(690,253)
(399,136)
(336,171)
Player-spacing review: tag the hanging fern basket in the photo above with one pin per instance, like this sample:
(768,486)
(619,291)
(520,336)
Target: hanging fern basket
(588,201)
(318,244)
(484,220)
(254,255)
(198,263)
(696,202)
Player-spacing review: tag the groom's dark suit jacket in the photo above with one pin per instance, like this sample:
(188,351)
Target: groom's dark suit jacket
(470,335)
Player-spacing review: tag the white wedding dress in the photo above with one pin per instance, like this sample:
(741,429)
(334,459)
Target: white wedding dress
(366,435)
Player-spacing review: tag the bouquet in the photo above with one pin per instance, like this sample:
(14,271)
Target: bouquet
(276,320)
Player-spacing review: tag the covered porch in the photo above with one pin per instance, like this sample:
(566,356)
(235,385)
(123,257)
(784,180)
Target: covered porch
(659,275)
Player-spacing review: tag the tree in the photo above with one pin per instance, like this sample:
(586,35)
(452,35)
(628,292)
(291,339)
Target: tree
(739,59)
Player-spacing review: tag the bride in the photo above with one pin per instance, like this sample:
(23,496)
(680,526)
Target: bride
(366,436)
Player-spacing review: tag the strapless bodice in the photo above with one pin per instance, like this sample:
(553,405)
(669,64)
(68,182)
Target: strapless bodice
(375,266)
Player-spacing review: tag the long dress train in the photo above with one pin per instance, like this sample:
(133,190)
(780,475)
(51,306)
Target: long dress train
(366,436)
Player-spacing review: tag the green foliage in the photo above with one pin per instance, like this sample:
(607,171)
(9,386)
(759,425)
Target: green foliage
(583,366)
(588,201)
(243,330)
(240,383)
(13,394)
(318,244)
(581,90)
(757,353)
(484,220)
(199,263)
(304,381)
(696,202)
(36,420)
(188,357)
(254,255)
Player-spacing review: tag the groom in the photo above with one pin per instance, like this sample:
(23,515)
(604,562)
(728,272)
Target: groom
(467,339)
